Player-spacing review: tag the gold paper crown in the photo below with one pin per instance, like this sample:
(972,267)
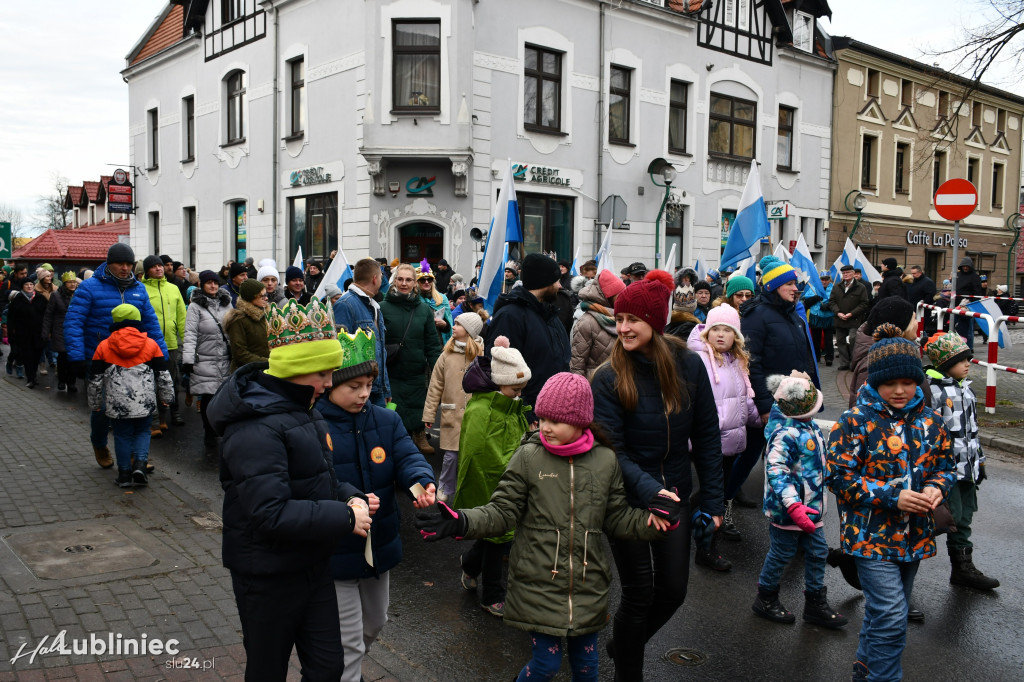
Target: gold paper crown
(294,323)
(358,348)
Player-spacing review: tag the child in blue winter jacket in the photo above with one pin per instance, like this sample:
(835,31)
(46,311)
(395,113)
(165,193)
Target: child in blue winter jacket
(794,492)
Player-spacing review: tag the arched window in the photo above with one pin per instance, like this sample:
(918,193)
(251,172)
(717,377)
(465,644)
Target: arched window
(235,82)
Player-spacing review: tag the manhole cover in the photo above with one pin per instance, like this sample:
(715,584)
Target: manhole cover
(687,657)
(77,551)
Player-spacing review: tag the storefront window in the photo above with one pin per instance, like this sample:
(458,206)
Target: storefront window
(547,225)
(313,225)
(674,222)
(241,222)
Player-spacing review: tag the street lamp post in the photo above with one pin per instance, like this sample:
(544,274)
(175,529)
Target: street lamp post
(668,174)
(1014,222)
(860,202)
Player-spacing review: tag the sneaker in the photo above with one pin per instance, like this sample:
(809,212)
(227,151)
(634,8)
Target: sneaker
(124,478)
(139,476)
(468,581)
(30,384)
(149,465)
(42,370)
(176,419)
(62,387)
(495,609)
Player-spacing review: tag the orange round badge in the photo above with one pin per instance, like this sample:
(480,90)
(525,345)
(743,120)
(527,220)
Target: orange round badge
(377,455)
(330,443)
(810,445)
(894,443)
(949,402)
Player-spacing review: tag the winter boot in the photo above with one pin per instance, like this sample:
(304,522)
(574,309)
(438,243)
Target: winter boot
(103,457)
(711,558)
(818,612)
(124,478)
(139,474)
(965,573)
(176,418)
(767,605)
(420,439)
(729,529)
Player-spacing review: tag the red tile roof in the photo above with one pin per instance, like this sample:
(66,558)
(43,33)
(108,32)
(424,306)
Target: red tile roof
(74,195)
(86,244)
(168,33)
(92,190)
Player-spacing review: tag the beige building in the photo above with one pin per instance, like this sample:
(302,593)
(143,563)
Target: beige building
(902,128)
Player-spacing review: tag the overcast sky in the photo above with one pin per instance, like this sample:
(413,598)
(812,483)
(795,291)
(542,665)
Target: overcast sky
(64,107)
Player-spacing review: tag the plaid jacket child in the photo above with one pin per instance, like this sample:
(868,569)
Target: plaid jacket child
(959,408)
(875,452)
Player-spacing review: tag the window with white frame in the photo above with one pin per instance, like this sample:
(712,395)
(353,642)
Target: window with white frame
(297,96)
(619,95)
(154,231)
(938,171)
(188,228)
(731,129)
(235,83)
(542,89)
(188,128)
(153,131)
(416,64)
(784,148)
(901,177)
(803,31)
(998,191)
(231,10)
(677,103)
(868,159)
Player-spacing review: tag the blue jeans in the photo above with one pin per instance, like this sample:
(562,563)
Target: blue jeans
(131,437)
(547,658)
(883,635)
(782,548)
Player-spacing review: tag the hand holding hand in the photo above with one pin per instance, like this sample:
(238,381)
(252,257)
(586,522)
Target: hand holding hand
(913,502)
(659,523)
(799,512)
(440,521)
(427,498)
(933,494)
(665,506)
(428,425)
(360,518)
(374,503)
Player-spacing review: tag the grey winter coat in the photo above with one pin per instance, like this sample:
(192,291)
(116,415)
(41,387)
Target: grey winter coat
(593,335)
(206,345)
(128,371)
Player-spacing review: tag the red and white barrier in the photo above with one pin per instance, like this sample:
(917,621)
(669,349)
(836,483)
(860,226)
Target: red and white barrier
(991,364)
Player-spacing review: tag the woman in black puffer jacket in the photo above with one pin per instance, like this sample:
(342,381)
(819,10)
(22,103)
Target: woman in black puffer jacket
(654,399)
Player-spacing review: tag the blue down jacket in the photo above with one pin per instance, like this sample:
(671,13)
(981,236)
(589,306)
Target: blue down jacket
(777,341)
(373,452)
(284,511)
(654,448)
(88,319)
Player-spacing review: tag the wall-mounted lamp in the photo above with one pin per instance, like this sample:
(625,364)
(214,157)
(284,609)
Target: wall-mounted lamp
(668,175)
(259,205)
(393,187)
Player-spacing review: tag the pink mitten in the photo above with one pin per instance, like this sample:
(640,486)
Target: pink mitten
(798,511)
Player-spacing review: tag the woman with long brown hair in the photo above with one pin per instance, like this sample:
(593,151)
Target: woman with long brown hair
(654,400)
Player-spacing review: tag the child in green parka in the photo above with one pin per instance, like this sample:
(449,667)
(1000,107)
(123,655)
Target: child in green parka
(562,490)
(492,427)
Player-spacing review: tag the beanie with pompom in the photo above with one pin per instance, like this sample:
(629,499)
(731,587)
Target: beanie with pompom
(893,357)
(508,368)
(795,395)
(662,276)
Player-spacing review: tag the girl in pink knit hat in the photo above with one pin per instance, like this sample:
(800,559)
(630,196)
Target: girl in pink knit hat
(719,343)
(562,490)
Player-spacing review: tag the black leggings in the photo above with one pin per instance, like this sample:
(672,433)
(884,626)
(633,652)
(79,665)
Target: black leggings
(204,401)
(654,576)
(487,559)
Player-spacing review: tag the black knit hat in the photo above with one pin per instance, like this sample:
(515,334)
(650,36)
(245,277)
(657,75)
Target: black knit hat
(893,357)
(120,253)
(150,262)
(237,269)
(208,276)
(539,271)
(892,310)
(701,285)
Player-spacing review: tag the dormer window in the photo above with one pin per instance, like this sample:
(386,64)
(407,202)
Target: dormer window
(803,31)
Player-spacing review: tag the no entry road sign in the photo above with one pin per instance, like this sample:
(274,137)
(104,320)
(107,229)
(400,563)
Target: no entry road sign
(956,199)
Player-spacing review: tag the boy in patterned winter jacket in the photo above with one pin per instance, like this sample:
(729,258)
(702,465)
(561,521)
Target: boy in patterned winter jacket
(953,397)
(794,491)
(890,463)
(128,371)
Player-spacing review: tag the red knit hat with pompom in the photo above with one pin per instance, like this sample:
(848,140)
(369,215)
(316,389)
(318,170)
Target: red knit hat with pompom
(662,276)
(647,300)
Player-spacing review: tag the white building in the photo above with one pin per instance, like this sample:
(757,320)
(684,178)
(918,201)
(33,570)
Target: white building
(384,127)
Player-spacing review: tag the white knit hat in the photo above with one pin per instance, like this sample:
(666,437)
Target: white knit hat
(268,271)
(507,365)
(472,323)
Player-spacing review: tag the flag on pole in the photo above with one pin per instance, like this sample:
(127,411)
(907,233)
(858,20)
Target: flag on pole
(701,271)
(670,262)
(847,257)
(575,269)
(870,274)
(988,306)
(504,228)
(751,222)
(604,255)
(337,273)
(782,253)
(801,260)
(298,260)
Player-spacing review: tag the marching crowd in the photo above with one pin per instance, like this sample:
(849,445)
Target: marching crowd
(576,410)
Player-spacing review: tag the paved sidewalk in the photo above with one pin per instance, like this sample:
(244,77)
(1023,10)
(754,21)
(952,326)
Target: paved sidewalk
(79,555)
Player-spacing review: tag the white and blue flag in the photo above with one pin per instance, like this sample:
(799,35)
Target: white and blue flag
(298,260)
(505,227)
(575,269)
(801,260)
(337,273)
(988,306)
(701,271)
(847,257)
(751,223)
(604,254)
(866,268)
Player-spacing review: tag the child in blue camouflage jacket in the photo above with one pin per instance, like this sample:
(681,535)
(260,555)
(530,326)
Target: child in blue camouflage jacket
(889,464)
(794,491)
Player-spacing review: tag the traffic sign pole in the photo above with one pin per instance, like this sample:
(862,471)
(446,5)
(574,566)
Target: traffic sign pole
(956,263)
(954,200)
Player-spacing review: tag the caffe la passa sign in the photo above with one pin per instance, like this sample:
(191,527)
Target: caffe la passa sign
(935,239)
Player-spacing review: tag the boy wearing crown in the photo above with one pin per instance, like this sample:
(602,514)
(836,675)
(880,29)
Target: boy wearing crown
(284,510)
(373,452)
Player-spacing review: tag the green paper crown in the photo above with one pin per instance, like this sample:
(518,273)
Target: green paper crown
(294,323)
(357,348)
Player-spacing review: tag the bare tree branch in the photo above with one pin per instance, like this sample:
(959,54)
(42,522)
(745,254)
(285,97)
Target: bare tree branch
(9,213)
(52,213)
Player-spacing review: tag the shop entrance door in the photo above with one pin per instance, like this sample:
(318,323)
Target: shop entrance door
(419,241)
(933,267)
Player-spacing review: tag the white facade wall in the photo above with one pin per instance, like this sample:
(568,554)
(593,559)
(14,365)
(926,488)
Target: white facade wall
(351,130)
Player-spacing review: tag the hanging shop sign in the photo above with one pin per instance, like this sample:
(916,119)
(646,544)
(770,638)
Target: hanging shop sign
(934,239)
(120,193)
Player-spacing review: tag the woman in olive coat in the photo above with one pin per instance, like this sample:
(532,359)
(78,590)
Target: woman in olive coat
(246,325)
